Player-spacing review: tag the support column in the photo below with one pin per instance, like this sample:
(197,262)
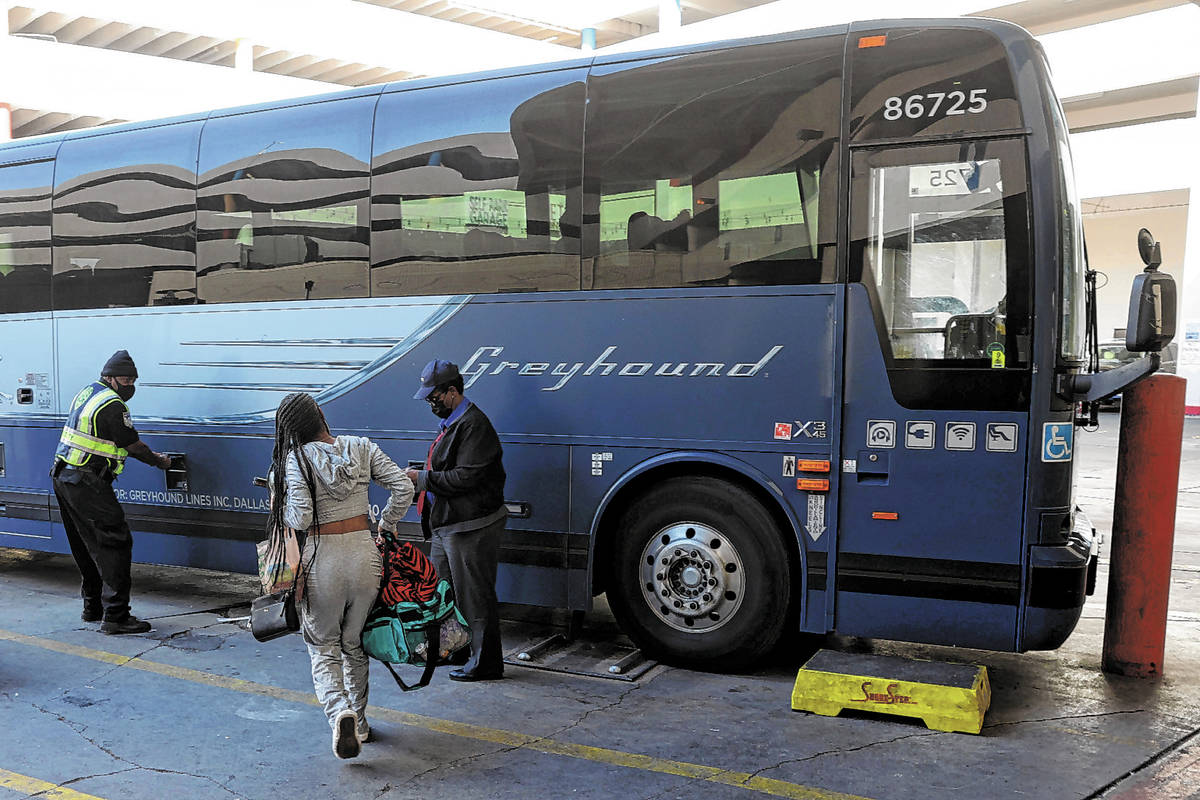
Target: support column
(1188,333)
(5,108)
(670,18)
(243,58)
(1139,576)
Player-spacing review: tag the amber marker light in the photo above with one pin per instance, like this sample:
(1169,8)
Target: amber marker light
(812,466)
(885,515)
(871,41)
(813,484)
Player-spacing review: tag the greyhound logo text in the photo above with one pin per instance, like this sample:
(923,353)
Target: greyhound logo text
(488,360)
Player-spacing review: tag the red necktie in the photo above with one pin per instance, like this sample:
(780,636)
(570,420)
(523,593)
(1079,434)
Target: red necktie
(428,466)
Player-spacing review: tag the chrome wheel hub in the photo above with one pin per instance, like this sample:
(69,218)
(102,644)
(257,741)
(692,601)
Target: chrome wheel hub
(692,577)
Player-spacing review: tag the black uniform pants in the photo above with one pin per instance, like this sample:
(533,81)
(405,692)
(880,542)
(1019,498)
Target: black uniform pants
(99,537)
(469,561)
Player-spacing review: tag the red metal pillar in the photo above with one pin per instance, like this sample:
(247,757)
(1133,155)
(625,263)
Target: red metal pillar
(1139,576)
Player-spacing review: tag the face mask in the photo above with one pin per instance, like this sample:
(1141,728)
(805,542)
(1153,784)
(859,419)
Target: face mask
(440,410)
(124,392)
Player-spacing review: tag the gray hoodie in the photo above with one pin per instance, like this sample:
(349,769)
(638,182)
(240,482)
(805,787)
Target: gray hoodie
(342,471)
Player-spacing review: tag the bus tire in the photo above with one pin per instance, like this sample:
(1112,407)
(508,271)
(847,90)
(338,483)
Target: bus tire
(701,575)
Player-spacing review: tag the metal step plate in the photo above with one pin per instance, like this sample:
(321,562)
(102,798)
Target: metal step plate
(599,659)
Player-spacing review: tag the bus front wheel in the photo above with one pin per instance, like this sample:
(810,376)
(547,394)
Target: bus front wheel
(701,575)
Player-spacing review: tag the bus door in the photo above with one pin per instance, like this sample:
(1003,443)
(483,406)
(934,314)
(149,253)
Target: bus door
(935,426)
(28,431)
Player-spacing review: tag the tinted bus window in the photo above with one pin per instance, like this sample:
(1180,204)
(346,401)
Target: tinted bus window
(25,236)
(125,219)
(282,200)
(1073,334)
(715,169)
(929,82)
(476,187)
(940,237)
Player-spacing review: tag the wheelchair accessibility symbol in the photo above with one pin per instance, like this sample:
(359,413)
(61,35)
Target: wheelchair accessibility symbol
(1057,441)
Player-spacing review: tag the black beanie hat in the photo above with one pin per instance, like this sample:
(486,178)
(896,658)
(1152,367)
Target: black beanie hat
(119,365)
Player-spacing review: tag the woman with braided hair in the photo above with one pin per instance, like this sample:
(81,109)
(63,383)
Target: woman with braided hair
(323,481)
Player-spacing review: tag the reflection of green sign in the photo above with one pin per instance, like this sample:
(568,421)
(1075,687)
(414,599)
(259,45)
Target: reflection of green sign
(499,210)
(663,201)
(6,255)
(483,210)
(336,215)
(761,201)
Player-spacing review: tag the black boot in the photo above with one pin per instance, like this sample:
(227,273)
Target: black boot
(130,624)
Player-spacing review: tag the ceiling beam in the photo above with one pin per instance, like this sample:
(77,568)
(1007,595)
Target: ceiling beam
(136,39)
(1049,16)
(165,42)
(105,35)
(47,24)
(1134,105)
(399,40)
(89,81)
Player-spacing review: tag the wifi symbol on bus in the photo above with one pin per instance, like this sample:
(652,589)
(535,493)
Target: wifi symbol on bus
(960,435)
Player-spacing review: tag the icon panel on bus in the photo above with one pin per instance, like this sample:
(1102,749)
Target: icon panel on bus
(881,433)
(919,435)
(960,435)
(1001,437)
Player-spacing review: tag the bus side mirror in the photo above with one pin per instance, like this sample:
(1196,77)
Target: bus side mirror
(1149,250)
(1152,302)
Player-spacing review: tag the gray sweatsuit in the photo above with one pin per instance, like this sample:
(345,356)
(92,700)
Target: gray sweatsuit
(343,569)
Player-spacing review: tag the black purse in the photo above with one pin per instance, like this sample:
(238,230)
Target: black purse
(274,615)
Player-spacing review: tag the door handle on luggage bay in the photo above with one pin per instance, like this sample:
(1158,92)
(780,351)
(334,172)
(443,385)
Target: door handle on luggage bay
(518,509)
(873,466)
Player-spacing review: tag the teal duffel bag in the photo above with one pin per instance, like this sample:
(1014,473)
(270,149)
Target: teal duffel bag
(408,631)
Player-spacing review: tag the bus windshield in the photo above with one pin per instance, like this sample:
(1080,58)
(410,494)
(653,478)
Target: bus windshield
(938,257)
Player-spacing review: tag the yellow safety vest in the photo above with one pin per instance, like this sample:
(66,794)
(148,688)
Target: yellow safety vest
(78,442)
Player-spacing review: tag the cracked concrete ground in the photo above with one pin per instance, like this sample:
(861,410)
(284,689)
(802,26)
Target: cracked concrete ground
(142,722)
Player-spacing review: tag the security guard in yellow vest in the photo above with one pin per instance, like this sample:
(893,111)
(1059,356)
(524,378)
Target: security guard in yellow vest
(91,453)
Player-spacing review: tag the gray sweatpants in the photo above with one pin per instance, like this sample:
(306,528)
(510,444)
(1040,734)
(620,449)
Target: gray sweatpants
(341,585)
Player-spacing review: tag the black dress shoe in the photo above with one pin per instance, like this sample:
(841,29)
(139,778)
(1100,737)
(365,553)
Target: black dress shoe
(130,624)
(476,675)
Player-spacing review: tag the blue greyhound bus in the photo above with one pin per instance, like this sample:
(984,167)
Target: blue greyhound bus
(781,335)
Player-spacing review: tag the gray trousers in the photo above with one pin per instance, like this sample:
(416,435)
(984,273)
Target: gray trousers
(469,560)
(340,587)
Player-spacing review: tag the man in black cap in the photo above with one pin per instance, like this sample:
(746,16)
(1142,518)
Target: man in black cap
(460,495)
(91,454)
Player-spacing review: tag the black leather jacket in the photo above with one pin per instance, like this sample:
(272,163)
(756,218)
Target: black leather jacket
(466,477)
